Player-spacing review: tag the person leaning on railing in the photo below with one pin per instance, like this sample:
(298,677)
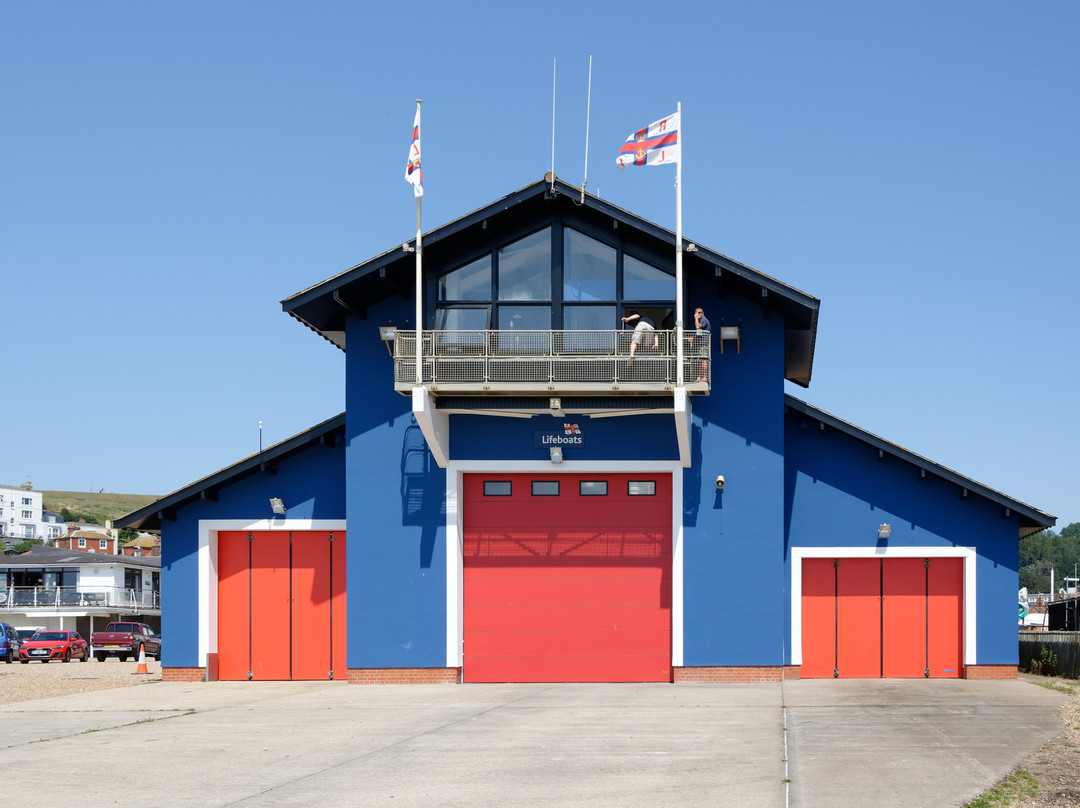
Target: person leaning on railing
(641,328)
(702,327)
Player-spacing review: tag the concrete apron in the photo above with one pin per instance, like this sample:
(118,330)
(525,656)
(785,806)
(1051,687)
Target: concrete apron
(849,743)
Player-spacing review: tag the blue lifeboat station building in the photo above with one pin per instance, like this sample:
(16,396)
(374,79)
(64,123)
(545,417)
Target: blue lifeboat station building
(534,485)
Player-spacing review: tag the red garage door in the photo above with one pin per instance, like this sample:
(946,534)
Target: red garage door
(281,604)
(567,578)
(882,617)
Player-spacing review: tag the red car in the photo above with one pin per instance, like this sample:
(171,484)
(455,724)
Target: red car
(49,645)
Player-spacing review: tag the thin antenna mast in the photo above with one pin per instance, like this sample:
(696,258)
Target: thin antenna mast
(588,107)
(553,66)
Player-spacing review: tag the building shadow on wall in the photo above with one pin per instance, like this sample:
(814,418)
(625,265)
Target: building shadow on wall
(423,491)
(692,480)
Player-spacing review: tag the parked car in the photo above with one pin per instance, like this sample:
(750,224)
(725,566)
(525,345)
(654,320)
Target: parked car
(10,642)
(49,645)
(124,640)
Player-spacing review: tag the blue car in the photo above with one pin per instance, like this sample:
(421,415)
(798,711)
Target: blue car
(9,643)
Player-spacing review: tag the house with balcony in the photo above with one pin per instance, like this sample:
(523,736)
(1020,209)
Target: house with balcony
(524,487)
(22,515)
(77,590)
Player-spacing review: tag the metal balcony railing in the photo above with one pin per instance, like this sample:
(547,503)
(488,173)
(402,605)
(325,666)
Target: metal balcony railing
(21,598)
(546,361)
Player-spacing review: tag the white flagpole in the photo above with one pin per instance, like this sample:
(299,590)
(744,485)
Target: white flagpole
(678,255)
(419,287)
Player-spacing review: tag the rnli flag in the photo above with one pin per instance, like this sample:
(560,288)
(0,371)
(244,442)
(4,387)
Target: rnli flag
(655,145)
(413,174)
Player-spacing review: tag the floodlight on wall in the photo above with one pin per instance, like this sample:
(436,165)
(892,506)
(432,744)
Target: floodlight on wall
(884,531)
(556,454)
(277,506)
(388,333)
(731,332)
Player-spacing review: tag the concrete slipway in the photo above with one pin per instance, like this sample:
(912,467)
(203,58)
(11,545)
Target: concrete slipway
(846,743)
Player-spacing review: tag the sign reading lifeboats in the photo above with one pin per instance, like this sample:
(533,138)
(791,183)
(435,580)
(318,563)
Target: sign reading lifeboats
(569,435)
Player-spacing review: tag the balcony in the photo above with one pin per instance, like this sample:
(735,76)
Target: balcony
(28,599)
(544,362)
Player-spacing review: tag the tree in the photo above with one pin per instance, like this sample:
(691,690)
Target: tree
(24,546)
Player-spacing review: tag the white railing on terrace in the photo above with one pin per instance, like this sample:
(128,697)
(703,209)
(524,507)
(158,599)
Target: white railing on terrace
(20,598)
(552,360)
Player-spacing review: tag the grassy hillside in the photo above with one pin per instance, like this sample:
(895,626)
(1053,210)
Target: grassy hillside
(107,506)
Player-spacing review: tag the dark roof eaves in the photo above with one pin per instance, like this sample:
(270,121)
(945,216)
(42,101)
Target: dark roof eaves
(797,296)
(1040,520)
(228,475)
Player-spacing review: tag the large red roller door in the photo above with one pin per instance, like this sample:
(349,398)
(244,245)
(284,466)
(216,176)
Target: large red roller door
(565,585)
(874,617)
(281,604)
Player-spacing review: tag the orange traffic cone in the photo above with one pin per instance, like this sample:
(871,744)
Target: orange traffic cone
(142,661)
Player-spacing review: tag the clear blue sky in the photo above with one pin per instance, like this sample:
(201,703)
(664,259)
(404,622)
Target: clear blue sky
(171,172)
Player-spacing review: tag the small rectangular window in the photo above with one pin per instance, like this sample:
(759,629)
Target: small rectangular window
(545,488)
(641,488)
(593,488)
(103,544)
(497,488)
(82,542)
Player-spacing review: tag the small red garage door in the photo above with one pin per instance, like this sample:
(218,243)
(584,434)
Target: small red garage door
(281,604)
(882,617)
(567,578)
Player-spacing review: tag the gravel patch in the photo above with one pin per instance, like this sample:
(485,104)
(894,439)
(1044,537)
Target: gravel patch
(38,680)
(1056,764)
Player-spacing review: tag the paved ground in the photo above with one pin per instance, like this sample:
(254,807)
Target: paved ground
(848,743)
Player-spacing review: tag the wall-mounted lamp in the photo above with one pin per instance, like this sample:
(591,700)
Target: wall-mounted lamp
(388,333)
(277,506)
(556,454)
(884,531)
(729,332)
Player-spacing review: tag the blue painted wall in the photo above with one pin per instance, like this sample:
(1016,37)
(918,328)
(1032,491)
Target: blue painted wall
(312,485)
(395,499)
(733,539)
(634,437)
(838,492)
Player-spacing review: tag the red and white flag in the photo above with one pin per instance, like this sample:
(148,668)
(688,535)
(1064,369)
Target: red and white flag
(655,145)
(413,174)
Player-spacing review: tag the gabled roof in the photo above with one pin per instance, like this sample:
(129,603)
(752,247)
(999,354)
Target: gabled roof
(83,534)
(325,306)
(149,517)
(1031,519)
(39,556)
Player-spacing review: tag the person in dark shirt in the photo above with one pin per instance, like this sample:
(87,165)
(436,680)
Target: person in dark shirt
(702,326)
(642,326)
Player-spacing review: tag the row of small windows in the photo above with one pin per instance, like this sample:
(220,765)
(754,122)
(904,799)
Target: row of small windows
(586,488)
(520,289)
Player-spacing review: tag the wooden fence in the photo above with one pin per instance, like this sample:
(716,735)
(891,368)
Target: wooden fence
(1065,646)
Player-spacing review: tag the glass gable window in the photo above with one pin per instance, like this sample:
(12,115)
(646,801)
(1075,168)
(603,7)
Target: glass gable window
(642,281)
(512,289)
(464,318)
(525,268)
(588,268)
(524,318)
(470,282)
